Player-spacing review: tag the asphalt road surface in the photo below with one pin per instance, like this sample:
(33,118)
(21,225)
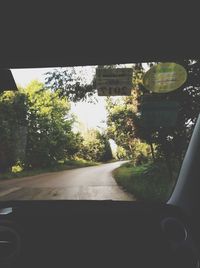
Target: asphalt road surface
(89,183)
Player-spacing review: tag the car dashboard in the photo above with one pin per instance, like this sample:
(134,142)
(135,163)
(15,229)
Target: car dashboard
(95,234)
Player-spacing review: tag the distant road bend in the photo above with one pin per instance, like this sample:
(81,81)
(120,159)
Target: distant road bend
(89,183)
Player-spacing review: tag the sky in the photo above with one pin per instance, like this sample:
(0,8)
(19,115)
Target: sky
(91,115)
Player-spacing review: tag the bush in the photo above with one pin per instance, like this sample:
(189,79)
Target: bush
(141,153)
(95,147)
(16,168)
(146,182)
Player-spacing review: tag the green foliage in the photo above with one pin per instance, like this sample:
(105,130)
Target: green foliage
(49,137)
(13,122)
(120,153)
(67,82)
(122,128)
(172,142)
(169,143)
(95,147)
(35,128)
(141,152)
(147,182)
(120,123)
(123,119)
(16,169)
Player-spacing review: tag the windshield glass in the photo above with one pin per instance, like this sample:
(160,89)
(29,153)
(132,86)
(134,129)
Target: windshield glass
(117,132)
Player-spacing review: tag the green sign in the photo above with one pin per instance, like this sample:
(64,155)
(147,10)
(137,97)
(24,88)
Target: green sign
(114,82)
(165,77)
(156,114)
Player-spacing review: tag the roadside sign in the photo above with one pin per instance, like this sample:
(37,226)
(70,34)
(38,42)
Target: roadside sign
(165,77)
(156,114)
(114,82)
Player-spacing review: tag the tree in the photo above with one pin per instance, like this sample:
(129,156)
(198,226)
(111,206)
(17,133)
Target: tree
(123,119)
(106,154)
(120,153)
(120,124)
(49,136)
(13,126)
(122,128)
(69,83)
(95,146)
(173,141)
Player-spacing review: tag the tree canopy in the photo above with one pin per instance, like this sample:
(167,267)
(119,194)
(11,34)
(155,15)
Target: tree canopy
(68,82)
(37,122)
(95,146)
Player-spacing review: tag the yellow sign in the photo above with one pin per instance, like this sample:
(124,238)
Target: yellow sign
(165,77)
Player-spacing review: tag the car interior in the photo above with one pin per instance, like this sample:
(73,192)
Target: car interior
(106,233)
(99,233)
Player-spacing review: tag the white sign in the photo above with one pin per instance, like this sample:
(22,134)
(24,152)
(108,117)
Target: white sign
(114,82)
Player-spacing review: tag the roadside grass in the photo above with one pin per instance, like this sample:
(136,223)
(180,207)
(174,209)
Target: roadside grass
(17,172)
(146,182)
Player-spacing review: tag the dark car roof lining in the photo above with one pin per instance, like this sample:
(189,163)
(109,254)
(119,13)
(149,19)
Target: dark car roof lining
(12,62)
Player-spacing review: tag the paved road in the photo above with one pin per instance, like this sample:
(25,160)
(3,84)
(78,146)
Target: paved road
(89,183)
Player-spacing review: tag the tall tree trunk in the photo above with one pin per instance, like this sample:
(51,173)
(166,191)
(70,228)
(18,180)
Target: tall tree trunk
(169,166)
(152,151)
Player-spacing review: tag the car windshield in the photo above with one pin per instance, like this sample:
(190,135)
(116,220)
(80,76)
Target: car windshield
(111,132)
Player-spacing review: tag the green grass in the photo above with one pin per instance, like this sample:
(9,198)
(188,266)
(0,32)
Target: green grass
(69,164)
(146,182)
